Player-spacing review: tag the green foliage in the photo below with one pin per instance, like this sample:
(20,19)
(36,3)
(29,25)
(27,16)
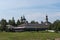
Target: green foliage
(51,27)
(33,22)
(55,26)
(12,22)
(3,24)
(18,22)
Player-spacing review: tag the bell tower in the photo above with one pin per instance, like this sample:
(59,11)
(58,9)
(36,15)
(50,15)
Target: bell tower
(46,18)
(46,23)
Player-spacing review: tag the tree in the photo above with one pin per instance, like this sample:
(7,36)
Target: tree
(33,22)
(12,22)
(18,22)
(51,27)
(56,25)
(3,24)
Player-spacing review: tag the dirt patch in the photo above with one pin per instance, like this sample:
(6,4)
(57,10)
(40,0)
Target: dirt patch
(57,38)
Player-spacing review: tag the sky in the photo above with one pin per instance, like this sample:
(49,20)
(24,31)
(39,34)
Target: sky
(31,9)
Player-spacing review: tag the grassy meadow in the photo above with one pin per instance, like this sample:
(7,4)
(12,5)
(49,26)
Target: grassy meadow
(28,35)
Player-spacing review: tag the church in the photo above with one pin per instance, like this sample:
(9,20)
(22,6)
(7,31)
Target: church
(29,26)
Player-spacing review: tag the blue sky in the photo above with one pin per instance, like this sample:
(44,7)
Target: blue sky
(31,9)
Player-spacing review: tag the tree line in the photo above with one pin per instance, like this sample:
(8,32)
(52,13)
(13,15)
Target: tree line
(12,22)
(53,26)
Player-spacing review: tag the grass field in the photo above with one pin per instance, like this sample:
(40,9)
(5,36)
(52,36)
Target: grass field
(28,35)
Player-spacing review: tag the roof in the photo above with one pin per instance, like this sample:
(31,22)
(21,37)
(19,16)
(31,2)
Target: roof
(18,27)
(33,25)
(9,26)
(29,25)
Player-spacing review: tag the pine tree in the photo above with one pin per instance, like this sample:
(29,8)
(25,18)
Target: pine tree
(3,24)
(18,22)
(12,22)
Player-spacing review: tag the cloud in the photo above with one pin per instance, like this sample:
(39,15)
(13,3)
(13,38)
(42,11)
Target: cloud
(32,9)
(9,4)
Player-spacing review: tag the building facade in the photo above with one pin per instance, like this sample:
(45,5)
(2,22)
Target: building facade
(31,27)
